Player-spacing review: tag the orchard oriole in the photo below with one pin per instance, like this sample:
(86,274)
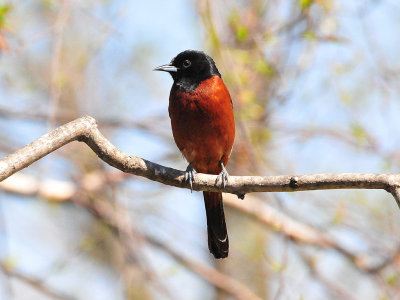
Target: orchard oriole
(203,126)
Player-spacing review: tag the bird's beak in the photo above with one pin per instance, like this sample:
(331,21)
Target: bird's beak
(166,68)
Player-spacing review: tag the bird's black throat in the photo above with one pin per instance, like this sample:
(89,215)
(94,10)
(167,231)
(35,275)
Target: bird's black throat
(188,84)
(193,67)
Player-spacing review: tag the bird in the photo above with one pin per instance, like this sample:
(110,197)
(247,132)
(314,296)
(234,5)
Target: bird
(203,127)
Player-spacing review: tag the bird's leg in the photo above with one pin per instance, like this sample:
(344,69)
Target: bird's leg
(223,175)
(189,175)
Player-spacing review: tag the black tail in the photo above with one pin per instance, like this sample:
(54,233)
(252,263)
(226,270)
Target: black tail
(218,242)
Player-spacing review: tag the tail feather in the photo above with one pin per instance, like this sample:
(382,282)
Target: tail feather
(218,242)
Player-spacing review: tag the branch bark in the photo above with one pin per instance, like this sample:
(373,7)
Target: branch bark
(85,130)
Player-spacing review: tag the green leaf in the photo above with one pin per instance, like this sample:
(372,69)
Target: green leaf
(262,135)
(392,279)
(10,263)
(346,97)
(264,68)
(4,10)
(309,35)
(241,33)
(305,4)
(359,133)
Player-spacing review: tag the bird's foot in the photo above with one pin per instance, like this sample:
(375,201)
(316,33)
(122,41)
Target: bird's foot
(223,176)
(189,176)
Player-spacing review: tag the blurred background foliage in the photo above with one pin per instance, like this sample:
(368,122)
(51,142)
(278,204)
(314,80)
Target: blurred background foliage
(315,86)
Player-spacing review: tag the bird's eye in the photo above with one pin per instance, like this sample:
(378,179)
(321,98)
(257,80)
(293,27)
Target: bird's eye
(187,63)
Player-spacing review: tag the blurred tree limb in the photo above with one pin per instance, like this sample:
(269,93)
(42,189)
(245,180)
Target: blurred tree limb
(85,130)
(36,284)
(296,231)
(117,222)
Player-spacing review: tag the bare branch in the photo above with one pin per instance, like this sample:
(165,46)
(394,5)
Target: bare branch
(216,278)
(85,129)
(36,284)
(303,233)
(395,191)
(296,231)
(280,222)
(117,222)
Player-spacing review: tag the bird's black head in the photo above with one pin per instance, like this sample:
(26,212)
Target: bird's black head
(189,68)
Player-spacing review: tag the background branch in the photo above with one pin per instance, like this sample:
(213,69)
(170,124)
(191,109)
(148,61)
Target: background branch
(296,231)
(36,284)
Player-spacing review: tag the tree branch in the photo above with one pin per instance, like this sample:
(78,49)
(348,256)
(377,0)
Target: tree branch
(105,212)
(85,130)
(36,284)
(298,232)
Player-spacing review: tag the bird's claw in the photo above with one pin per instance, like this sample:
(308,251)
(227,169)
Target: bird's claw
(223,176)
(189,176)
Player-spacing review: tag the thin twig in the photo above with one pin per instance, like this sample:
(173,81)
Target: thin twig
(36,284)
(59,26)
(213,276)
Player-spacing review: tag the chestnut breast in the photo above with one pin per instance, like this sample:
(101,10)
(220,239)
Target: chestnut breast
(203,124)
